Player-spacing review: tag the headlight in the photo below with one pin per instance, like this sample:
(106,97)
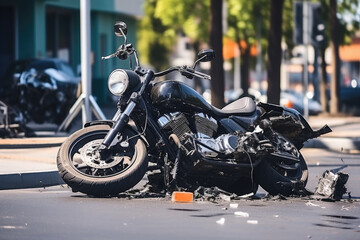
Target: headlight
(118,81)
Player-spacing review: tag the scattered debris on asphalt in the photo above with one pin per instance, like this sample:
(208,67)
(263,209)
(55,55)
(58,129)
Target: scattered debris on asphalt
(331,186)
(233,205)
(241,214)
(312,204)
(252,221)
(221,221)
(182,197)
(215,194)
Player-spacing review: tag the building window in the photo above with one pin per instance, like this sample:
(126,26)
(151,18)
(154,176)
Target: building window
(58,34)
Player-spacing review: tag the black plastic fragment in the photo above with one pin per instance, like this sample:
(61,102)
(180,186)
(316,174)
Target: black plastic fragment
(331,186)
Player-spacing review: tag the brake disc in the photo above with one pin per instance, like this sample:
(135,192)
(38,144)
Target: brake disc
(91,156)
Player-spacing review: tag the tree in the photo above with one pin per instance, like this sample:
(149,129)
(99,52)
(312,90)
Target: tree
(340,32)
(245,20)
(274,51)
(155,40)
(217,70)
(192,18)
(335,61)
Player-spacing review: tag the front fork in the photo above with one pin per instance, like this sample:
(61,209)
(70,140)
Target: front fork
(121,120)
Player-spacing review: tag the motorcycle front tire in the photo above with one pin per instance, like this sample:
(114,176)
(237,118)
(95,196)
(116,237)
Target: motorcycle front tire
(101,185)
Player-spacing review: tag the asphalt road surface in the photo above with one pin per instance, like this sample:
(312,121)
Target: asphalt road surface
(57,213)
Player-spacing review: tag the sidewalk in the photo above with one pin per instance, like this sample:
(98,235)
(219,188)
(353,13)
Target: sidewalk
(31,162)
(345,135)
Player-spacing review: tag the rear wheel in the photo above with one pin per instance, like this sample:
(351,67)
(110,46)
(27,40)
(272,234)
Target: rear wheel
(283,172)
(84,169)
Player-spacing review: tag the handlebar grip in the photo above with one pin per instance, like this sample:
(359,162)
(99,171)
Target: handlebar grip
(108,57)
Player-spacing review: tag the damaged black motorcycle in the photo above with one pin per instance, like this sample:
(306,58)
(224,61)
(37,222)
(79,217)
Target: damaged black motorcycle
(167,129)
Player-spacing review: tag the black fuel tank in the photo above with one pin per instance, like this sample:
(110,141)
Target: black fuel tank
(177,96)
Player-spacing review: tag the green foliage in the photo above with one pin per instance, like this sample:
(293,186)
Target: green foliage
(163,20)
(288,24)
(189,16)
(349,20)
(155,40)
(248,21)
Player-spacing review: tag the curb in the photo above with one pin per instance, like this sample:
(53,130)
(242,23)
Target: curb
(335,144)
(30,180)
(15,143)
(34,145)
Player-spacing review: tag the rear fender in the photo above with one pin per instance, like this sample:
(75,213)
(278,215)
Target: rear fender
(291,124)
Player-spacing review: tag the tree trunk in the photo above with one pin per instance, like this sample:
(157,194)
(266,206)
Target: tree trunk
(274,51)
(324,100)
(217,71)
(245,59)
(335,60)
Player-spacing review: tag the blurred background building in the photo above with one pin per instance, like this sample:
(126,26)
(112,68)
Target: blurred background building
(51,29)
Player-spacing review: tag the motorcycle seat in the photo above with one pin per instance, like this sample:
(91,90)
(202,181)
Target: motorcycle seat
(242,107)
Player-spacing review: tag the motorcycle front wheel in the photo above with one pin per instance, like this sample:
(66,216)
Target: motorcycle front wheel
(84,169)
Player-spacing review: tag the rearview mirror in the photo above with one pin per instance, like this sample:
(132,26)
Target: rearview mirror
(206,55)
(120,29)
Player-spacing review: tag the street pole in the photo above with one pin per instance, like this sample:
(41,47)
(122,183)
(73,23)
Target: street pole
(85,58)
(237,69)
(85,100)
(306,36)
(259,54)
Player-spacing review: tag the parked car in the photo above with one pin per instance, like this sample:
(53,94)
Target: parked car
(293,99)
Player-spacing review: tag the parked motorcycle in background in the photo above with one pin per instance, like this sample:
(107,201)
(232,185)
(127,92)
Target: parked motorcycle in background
(165,128)
(37,90)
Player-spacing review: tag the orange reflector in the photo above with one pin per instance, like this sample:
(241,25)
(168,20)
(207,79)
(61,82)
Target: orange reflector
(289,104)
(182,197)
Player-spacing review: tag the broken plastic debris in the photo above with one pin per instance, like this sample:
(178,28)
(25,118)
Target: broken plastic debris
(241,214)
(182,197)
(345,208)
(247,195)
(225,197)
(311,204)
(331,186)
(212,194)
(221,221)
(252,221)
(234,205)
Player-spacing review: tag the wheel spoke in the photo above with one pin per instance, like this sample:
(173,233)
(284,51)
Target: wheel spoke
(86,158)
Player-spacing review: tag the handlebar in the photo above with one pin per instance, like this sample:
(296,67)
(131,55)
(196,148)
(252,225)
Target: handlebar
(185,71)
(124,51)
(110,56)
